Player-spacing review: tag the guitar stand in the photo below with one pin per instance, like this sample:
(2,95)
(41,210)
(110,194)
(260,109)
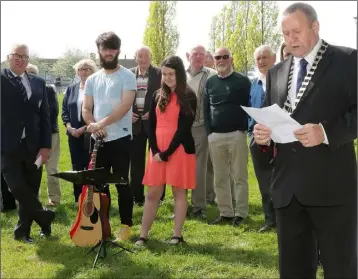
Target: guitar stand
(102,245)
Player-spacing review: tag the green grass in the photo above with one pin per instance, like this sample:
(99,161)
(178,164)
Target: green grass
(211,252)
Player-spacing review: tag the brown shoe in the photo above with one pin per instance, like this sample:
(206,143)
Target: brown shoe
(52,203)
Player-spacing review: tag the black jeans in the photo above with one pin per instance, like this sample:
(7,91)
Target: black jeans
(80,157)
(137,166)
(115,155)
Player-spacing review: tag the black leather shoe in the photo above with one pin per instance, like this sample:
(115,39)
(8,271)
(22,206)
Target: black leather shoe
(237,221)
(46,230)
(222,220)
(267,227)
(26,239)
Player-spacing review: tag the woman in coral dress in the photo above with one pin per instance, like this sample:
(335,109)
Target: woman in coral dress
(172,150)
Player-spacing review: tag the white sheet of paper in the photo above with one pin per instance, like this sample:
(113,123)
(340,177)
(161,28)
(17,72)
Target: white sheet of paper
(280,122)
(38,162)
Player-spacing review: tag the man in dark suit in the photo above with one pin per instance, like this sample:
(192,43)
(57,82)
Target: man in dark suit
(148,81)
(314,185)
(25,138)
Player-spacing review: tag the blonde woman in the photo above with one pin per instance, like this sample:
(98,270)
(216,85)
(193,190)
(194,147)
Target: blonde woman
(72,119)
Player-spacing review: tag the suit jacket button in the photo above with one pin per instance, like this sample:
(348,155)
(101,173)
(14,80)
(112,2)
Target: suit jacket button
(294,150)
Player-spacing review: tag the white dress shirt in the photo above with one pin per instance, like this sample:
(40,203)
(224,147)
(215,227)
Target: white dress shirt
(262,77)
(296,60)
(81,97)
(27,86)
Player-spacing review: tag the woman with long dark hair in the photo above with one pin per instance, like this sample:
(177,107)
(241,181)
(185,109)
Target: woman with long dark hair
(172,150)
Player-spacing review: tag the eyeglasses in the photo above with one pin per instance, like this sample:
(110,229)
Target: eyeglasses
(84,69)
(225,57)
(19,56)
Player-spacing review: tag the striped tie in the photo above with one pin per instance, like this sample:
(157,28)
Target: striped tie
(301,74)
(18,79)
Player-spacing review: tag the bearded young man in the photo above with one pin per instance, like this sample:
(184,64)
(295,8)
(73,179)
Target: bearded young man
(110,93)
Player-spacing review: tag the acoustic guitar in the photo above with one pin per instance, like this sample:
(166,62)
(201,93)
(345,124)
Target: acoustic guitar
(87,229)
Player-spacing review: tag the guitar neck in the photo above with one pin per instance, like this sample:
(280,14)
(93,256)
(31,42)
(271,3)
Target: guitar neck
(92,166)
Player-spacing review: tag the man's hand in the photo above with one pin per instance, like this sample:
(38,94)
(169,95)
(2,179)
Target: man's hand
(262,134)
(310,135)
(93,127)
(135,117)
(100,133)
(157,158)
(145,116)
(45,154)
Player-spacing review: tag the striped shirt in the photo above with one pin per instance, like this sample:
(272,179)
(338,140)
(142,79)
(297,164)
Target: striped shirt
(142,86)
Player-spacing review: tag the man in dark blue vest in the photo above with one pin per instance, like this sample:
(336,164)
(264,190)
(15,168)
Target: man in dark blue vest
(265,58)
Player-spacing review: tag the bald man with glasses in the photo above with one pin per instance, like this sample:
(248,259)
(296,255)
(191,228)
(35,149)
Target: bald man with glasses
(226,125)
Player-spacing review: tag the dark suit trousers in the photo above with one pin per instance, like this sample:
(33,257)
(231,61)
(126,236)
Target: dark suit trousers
(115,155)
(80,158)
(8,200)
(137,166)
(263,172)
(23,179)
(334,227)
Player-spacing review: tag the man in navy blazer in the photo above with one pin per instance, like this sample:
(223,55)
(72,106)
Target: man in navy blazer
(25,138)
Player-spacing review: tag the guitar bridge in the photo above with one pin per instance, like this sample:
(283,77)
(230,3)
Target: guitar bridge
(86,228)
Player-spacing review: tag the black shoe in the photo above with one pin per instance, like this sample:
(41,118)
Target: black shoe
(8,208)
(26,239)
(139,203)
(267,227)
(46,230)
(198,214)
(237,221)
(222,220)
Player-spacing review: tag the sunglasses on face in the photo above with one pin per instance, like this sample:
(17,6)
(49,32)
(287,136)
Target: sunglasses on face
(225,57)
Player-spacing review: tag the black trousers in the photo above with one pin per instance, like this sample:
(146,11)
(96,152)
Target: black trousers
(80,157)
(137,166)
(115,155)
(23,179)
(8,200)
(334,227)
(263,172)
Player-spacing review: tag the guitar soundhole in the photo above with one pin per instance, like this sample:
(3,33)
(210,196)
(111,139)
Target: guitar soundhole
(94,217)
(88,208)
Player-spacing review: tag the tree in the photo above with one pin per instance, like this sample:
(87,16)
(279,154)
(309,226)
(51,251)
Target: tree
(44,68)
(64,65)
(242,26)
(160,35)
(213,34)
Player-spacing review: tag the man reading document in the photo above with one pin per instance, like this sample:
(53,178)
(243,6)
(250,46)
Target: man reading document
(314,182)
